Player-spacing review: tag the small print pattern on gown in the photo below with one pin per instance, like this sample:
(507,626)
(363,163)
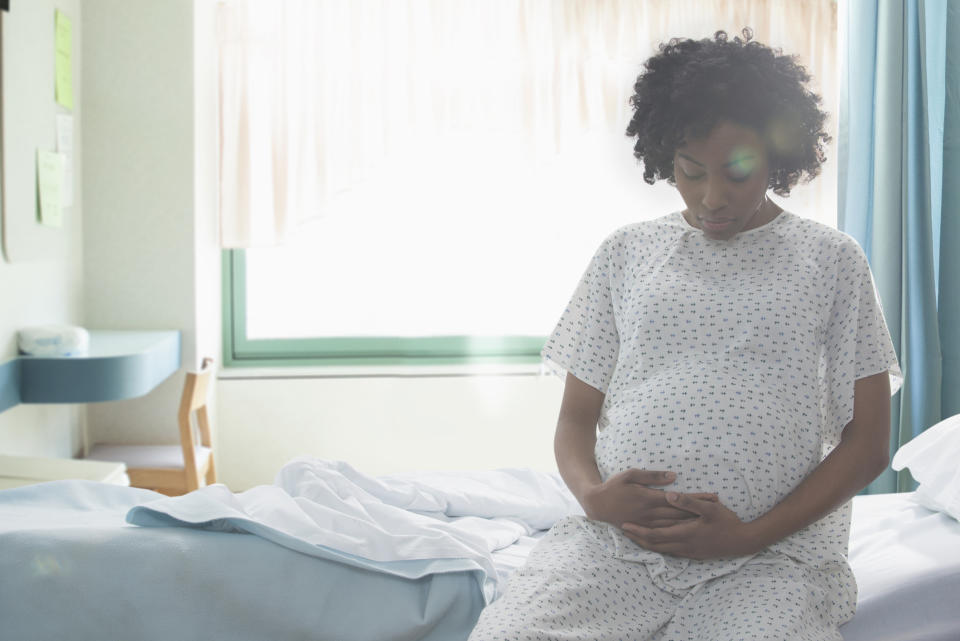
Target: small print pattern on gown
(732,363)
(571,590)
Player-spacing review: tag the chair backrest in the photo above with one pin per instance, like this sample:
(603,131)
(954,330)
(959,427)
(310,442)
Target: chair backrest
(194,401)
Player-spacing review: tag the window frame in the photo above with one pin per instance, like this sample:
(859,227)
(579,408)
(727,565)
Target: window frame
(242,351)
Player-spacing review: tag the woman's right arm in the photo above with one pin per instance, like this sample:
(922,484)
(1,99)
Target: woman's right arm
(624,498)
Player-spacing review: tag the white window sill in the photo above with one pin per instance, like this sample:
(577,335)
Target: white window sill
(382,371)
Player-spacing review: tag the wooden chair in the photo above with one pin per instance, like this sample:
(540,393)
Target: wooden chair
(172,469)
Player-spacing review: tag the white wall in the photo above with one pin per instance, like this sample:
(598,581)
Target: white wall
(388,424)
(44,289)
(206,251)
(150,236)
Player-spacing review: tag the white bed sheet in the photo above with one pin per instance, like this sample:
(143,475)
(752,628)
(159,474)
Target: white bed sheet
(907,562)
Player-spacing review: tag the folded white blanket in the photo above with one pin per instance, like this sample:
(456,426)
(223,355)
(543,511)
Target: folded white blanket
(318,506)
(534,499)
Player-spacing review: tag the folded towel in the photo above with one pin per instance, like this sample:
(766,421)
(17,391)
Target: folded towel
(53,340)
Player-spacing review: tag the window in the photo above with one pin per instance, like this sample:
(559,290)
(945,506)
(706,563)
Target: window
(464,160)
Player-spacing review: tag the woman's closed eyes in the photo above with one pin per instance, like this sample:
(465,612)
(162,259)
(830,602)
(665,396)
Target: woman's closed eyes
(738,170)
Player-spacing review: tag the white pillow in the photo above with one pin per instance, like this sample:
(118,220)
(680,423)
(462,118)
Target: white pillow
(934,461)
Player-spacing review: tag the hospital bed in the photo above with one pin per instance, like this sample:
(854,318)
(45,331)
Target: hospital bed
(73,566)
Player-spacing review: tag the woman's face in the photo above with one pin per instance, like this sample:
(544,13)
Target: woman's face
(723,181)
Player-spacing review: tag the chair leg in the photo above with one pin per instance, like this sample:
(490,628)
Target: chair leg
(169,491)
(211,476)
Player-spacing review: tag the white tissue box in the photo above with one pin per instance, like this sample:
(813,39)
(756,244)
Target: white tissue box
(54,340)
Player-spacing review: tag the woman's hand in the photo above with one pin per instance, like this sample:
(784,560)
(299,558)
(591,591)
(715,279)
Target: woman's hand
(716,532)
(628,498)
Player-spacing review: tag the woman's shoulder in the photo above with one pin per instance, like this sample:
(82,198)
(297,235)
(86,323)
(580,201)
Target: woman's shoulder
(656,230)
(819,236)
(635,243)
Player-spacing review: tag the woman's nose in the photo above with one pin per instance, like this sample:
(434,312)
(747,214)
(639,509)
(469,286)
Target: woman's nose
(713,196)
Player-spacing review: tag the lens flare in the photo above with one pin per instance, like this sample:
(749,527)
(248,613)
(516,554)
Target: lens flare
(785,136)
(742,161)
(46,565)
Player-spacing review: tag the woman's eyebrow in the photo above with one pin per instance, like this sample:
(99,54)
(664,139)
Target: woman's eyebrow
(739,159)
(686,157)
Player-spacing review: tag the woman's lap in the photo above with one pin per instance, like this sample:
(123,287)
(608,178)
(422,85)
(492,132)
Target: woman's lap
(569,589)
(572,589)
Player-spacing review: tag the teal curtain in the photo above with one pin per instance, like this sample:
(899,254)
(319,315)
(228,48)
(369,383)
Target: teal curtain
(899,191)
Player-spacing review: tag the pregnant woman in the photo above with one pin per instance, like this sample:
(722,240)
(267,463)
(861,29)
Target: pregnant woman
(736,362)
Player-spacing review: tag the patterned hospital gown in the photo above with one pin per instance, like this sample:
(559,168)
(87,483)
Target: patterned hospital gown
(732,363)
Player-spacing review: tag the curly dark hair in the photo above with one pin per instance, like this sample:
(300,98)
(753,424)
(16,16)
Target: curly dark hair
(691,85)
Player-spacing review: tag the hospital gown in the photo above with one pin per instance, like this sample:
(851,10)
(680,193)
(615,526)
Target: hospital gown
(732,363)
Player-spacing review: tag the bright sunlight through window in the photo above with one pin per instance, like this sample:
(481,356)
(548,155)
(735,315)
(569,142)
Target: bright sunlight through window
(472,157)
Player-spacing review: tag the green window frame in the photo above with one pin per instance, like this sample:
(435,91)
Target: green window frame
(241,351)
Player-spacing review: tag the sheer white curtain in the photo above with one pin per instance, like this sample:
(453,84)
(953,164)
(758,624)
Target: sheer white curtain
(321,97)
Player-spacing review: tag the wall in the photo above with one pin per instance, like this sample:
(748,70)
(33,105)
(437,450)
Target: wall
(42,289)
(146,256)
(150,234)
(387,424)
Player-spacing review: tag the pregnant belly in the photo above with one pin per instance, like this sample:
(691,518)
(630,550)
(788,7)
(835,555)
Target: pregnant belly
(731,435)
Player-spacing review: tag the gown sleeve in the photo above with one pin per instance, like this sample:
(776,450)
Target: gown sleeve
(585,341)
(857,342)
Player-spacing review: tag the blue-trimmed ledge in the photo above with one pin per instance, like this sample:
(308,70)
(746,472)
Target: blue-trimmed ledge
(118,365)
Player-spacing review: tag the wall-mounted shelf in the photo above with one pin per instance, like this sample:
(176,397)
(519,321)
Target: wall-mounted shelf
(118,365)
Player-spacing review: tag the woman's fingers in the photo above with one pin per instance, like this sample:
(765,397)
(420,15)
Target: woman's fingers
(690,503)
(631,496)
(650,499)
(666,540)
(662,523)
(668,513)
(646,515)
(649,477)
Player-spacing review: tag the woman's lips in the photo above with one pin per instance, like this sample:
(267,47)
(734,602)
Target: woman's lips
(716,224)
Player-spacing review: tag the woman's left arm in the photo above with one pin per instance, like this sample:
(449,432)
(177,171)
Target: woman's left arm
(862,454)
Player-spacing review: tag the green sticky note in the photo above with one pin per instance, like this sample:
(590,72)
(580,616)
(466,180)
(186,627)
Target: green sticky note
(49,187)
(64,33)
(64,58)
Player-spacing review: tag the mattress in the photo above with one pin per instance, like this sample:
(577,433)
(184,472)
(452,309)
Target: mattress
(86,574)
(907,562)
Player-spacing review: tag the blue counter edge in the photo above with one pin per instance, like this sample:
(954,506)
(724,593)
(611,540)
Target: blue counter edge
(31,379)
(9,384)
